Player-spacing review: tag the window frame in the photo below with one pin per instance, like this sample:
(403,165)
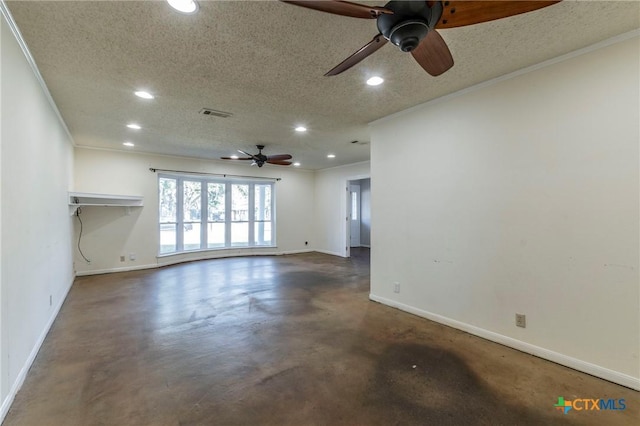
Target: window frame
(204,181)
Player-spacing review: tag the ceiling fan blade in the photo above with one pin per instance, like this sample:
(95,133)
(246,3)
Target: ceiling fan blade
(433,54)
(279,157)
(375,44)
(253,157)
(280,163)
(343,8)
(461,13)
(231,158)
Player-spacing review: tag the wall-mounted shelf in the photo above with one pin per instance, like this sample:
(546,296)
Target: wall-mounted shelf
(81,199)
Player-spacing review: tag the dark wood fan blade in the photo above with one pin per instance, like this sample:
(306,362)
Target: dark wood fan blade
(433,54)
(280,163)
(343,8)
(231,158)
(279,157)
(461,13)
(375,44)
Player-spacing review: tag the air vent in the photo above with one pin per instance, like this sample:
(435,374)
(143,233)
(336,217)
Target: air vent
(215,113)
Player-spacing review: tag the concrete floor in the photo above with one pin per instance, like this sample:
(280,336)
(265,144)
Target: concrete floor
(288,340)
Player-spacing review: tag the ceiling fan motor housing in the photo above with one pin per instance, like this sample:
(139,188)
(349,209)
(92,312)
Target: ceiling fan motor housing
(410,22)
(260,158)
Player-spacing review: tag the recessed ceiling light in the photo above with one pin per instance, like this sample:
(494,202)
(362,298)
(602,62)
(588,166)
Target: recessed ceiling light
(296,164)
(375,81)
(301,129)
(144,95)
(184,6)
(134,126)
(235,157)
(331,156)
(128,144)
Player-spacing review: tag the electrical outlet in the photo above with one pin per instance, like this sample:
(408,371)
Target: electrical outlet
(132,256)
(396,287)
(121,258)
(521,320)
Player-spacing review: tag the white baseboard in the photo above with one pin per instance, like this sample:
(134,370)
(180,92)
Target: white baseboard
(332,253)
(298,251)
(168,260)
(114,270)
(576,364)
(15,387)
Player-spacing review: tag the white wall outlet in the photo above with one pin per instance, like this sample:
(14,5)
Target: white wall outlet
(132,256)
(521,320)
(121,258)
(396,287)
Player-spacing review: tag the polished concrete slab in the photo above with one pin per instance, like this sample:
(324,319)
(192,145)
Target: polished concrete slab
(287,340)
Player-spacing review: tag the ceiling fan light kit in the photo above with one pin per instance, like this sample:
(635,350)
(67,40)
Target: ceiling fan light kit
(409,23)
(407,35)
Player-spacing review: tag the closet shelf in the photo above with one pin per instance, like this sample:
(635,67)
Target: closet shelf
(82,199)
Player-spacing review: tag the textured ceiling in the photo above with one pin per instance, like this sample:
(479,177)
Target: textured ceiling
(264,62)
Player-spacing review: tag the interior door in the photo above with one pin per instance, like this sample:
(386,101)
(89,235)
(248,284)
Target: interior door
(354,215)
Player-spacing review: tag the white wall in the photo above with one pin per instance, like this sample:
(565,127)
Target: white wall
(365,212)
(520,197)
(110,233)
(329,218)
(35,262)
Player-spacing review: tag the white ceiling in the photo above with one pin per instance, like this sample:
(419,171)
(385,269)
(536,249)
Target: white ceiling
(264,62)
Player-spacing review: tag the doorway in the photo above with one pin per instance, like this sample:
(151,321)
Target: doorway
(354,190)
(358,214)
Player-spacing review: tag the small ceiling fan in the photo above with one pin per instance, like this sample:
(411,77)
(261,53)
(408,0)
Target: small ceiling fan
(411,25)
(260,159)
